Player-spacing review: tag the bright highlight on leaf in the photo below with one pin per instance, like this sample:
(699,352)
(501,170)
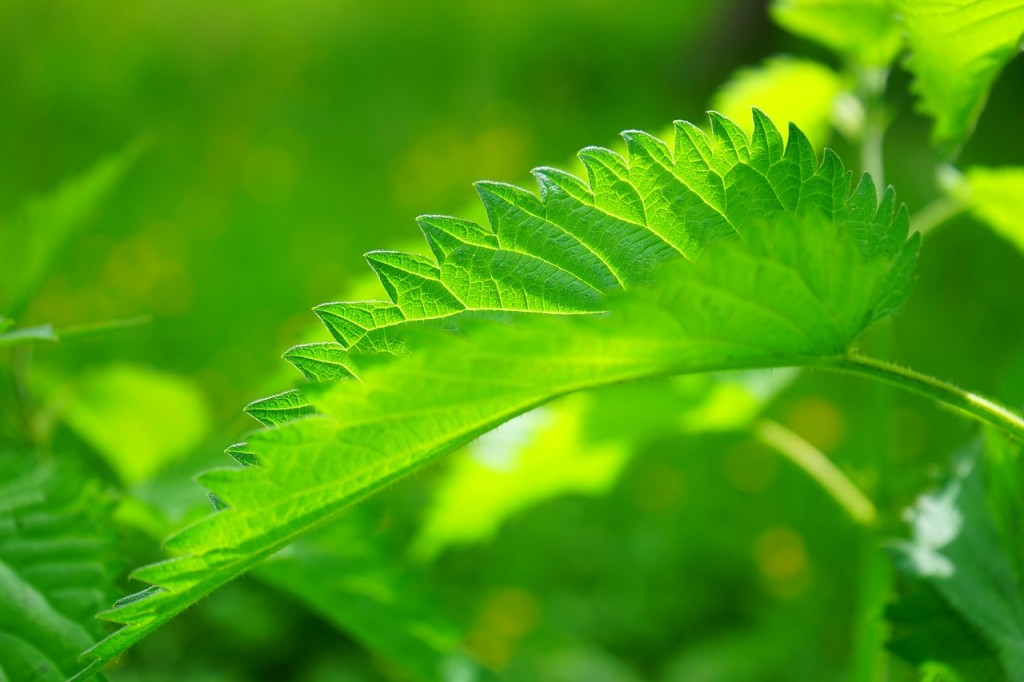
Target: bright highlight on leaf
(799,90)
(777,264)
(957,50)
(579,445)
(995,196)
(863,31)
(137,418)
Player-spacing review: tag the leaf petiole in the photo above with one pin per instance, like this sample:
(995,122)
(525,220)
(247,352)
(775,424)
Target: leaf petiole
(962,401)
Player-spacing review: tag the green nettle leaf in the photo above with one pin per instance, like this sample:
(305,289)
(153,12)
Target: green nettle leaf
(776,263)
(957,51)
(965,549)
(995,196)
(863,31)
(54,568)
(799,90)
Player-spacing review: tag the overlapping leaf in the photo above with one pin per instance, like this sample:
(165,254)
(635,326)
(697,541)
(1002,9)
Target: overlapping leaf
(55,568)
(996,197)
(778,264)
(863,31)
(958,49)
(965,554)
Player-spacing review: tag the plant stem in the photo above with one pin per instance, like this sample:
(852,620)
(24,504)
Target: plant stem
(819,467)
(935,213)
(872,94)
(962,401)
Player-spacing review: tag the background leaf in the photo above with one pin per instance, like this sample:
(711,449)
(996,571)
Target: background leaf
(346,577)
(959,550)
(578,445)
(56,547)
(995,196)
(957,51)
(801,91)
(31,242)
(862,31)
(139,419)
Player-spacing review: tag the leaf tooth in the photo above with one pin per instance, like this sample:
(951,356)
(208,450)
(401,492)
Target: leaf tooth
(414,283)
(639,143)
(180,572)
(410,263)
(243,454)
(858,215)
(891,223)
(800,151)
(228,484)
(318,362)
(899,228)
(348,322)
(837,180)
(729,138)
(280,408)
(606,160)
(497,196)
(900,279)
(692,145)
(766,142)
(554,182)
(609,180)
(444,234)
(133,598)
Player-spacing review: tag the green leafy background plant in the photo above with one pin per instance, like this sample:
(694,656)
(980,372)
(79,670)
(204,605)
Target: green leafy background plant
(679,477)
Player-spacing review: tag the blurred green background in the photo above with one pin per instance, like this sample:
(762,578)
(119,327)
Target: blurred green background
(284,139)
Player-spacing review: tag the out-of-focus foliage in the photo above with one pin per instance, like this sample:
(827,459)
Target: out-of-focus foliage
(996,197)
(56,568)
(966,549)
(346,575)
(860,30)
(579,445)
(771,87)
(32,240)
(286,138)
(813,266)
(957,50)
(139,419)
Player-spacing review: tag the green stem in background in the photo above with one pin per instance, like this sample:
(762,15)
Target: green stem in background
(98,328)
(819,467)
(936,213)
(872,83)
(965,402)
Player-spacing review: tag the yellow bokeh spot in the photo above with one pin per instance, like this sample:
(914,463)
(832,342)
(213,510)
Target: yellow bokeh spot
(781,558)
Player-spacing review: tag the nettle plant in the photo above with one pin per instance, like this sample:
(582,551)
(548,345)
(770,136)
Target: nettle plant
(699,251)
